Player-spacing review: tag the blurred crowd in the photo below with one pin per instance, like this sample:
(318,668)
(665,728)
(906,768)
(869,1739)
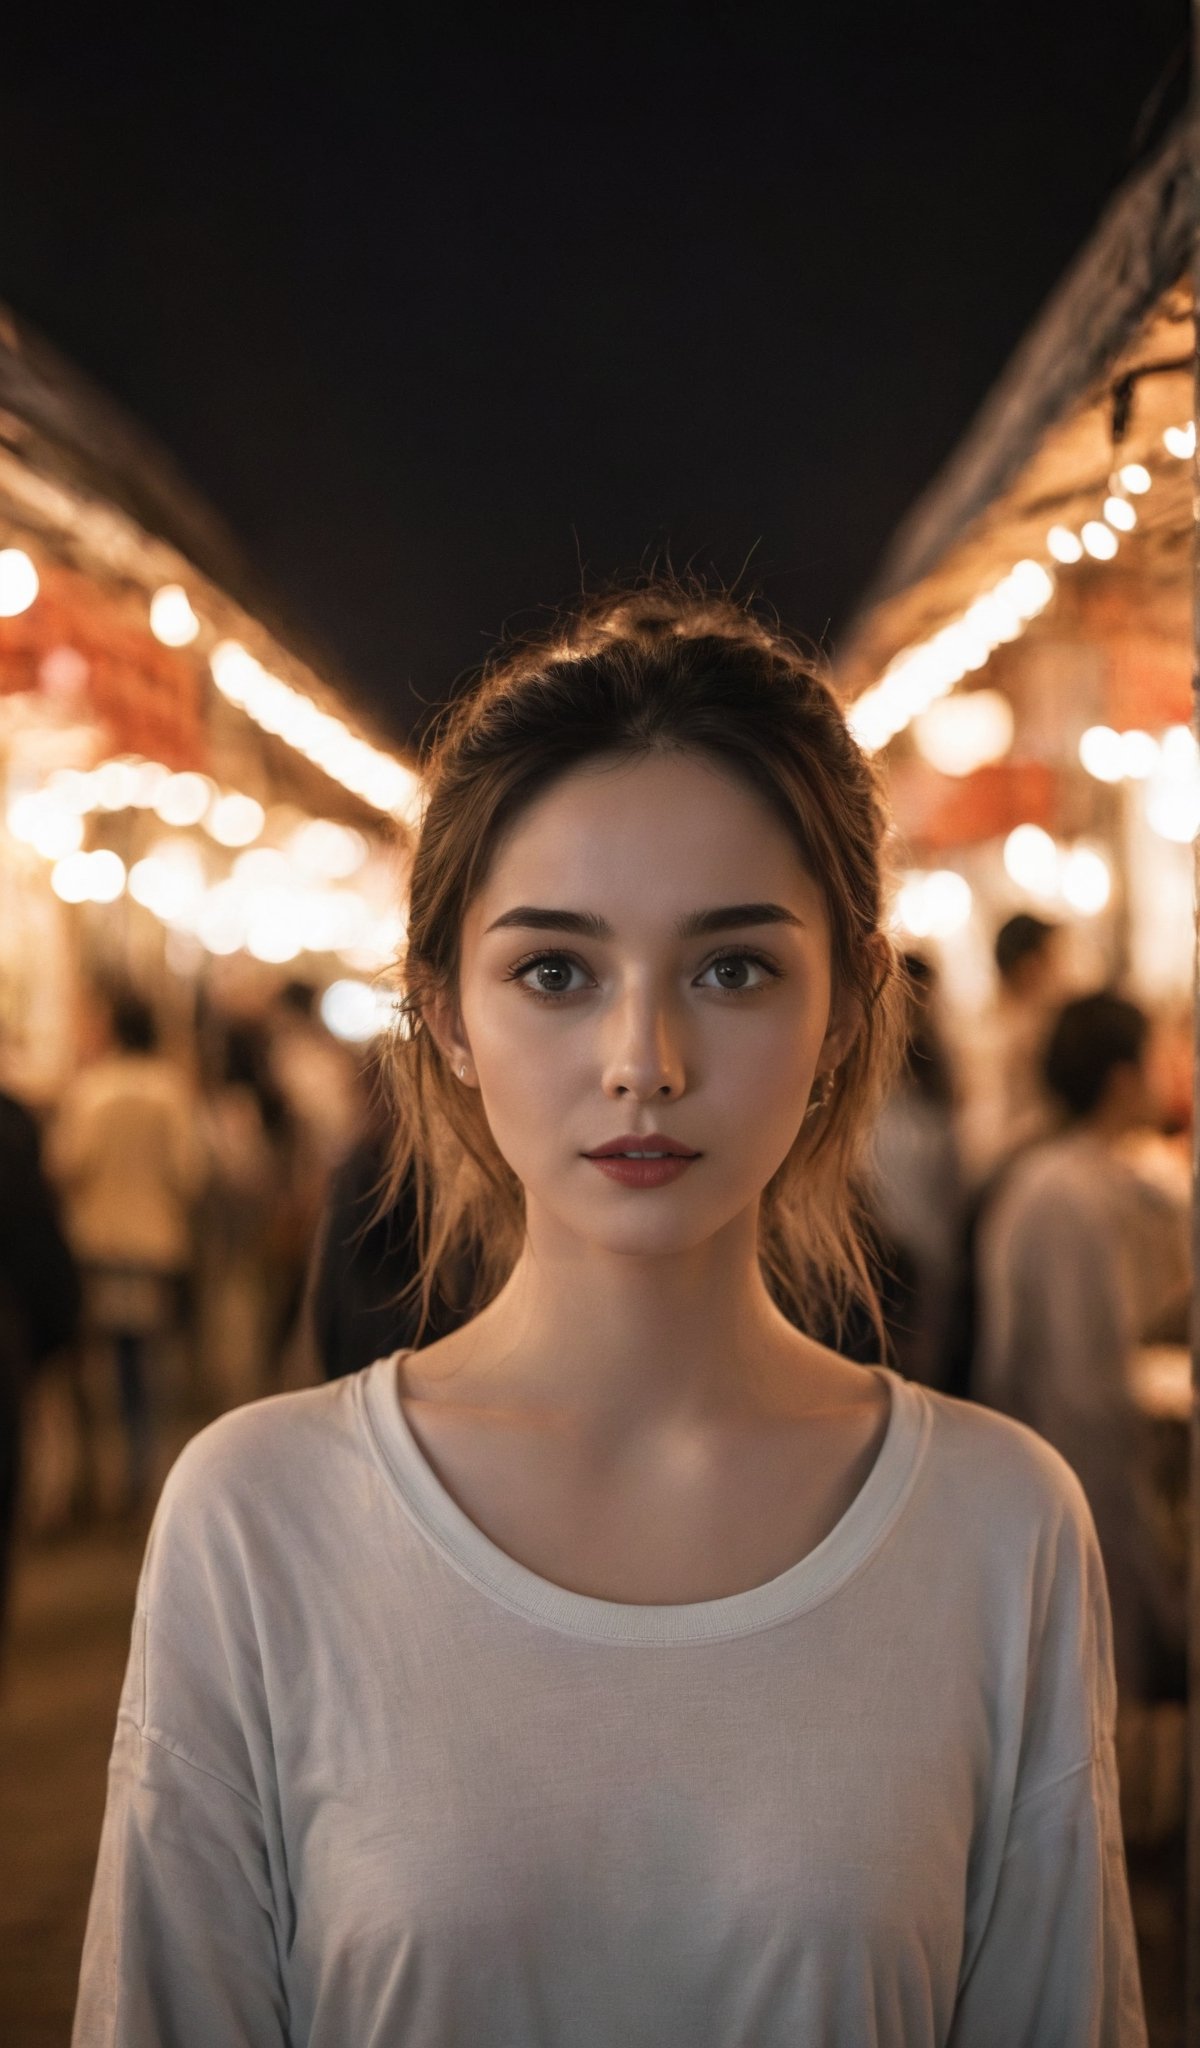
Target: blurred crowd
(191,1227)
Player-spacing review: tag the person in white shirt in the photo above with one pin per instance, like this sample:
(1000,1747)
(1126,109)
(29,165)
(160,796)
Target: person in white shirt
(625,1666)
(1080,1257)
(126,1151)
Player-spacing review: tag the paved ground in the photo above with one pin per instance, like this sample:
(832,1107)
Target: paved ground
(73,1600)
(58,1700)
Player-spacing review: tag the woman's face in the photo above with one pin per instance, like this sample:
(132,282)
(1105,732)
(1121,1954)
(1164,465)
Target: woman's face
(647,957)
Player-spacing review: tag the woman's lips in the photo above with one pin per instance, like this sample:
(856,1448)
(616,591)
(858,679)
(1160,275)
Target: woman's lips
(643,1173)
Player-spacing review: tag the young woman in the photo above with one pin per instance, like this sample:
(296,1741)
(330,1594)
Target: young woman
(625,1667)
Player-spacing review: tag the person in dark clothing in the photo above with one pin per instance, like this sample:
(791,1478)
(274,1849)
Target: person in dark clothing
(362,1262)
(39,1301)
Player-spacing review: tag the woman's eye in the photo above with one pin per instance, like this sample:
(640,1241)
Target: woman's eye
(740,973)
(548,975)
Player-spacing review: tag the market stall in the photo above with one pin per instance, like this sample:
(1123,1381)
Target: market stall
(189,801)
(1023,669)
(1024,657)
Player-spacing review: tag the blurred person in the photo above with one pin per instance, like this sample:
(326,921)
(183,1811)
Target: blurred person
(918,1186)
(365,1262)
(39,1301)
(320,1089)
(1080,1257)
(1007,1106)
(625,1665)
(126,1152)
(243,1117)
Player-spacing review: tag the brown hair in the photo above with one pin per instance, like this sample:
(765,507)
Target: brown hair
(653,670)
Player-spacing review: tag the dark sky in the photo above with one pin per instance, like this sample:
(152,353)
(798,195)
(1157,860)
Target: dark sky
(433,314)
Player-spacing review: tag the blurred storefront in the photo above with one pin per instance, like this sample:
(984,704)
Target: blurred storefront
(1025,655)
(189,803)
(1022,668)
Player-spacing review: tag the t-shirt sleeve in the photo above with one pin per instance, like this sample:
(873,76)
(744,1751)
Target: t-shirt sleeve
(184,1928)
(1052,1955)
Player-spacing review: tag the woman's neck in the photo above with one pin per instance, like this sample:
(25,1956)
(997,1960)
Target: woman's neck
(628,1340)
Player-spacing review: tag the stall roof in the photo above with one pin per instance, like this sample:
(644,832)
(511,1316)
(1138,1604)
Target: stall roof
(99,493)
(1041,447)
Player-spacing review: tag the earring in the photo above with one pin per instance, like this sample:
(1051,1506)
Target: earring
(462,1073)
(817,1102)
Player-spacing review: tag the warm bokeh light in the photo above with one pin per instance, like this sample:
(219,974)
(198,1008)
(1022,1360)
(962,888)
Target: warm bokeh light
(1099,540)
(1120,513)
(234,820)
(1180,441)
(355,1012)
(183,799)
(378,778)
(1086,880)
(959,734)
(934,905)
(1064,545)
(172,619)
(18,582)
(1101,754)
(1031,860)
(1134,477)
(1139,754)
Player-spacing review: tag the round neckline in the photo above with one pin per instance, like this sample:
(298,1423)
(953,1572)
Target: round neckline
(857,1534)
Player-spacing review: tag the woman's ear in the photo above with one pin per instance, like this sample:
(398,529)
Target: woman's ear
(443,1020)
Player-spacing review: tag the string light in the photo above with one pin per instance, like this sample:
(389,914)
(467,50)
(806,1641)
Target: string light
(931,669)
(923,673)
(328,742)
(172,619)
(1099,540)
(1120,513)
(936,905)
(1101,754)
(1065,546)
(18,582)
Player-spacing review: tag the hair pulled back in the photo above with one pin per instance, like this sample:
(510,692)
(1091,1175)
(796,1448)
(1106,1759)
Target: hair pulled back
(655,670)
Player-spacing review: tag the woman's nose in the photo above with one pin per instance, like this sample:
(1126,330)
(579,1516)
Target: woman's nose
(643,1057)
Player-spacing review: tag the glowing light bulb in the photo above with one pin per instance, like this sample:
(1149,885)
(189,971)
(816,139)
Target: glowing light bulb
(1180,441)
(1173,810)
(1101,753)
(960,734)
(72,790)
(1031,859)
(948,902)
(1029,587)
(183,799)
(1086,881)
(235,820)
(1134,477)
(114,783)
(18,582)
(106,875)
(1099,540)
(172,619)
(354,1011)
(1120,513)
(1139,755)
(327,851)
(69,878)
(1064,545)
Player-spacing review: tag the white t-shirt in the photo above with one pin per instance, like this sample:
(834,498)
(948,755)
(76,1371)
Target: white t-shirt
(375,1784)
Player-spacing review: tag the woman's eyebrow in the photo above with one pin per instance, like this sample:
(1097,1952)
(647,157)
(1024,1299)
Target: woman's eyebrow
(696,924)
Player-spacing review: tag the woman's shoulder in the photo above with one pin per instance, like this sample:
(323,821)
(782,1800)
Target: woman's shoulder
(1003,1471)
(264,1454)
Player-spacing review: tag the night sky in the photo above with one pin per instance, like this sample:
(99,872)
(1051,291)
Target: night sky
(441,318)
